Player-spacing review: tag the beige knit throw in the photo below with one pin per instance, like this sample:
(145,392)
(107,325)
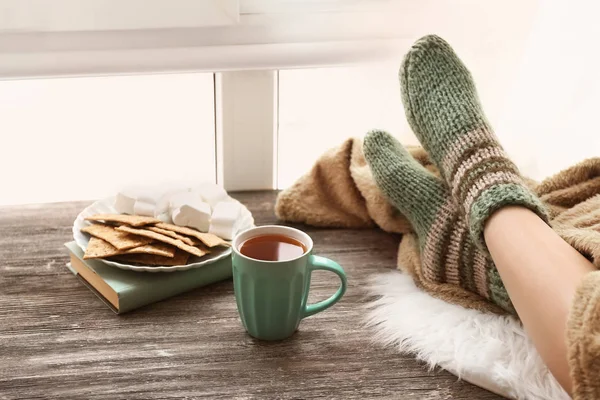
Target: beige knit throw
(339,191)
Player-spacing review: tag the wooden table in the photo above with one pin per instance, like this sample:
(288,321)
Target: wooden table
(58,340)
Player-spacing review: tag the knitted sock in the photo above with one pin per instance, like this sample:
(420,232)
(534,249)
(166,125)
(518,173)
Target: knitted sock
(448,254)
(443,109)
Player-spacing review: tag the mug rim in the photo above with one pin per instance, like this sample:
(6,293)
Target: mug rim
(308,242)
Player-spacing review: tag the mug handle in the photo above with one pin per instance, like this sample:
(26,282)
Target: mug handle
(322,263)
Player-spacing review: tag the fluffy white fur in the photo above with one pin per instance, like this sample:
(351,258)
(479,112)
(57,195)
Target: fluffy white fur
(487,350)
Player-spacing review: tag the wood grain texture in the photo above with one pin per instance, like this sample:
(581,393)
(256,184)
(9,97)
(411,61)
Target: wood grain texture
(58,340)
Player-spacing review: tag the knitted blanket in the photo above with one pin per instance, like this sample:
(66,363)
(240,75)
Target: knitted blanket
(339,191)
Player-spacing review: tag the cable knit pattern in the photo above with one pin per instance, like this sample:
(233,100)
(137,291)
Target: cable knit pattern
(443,109)
(448,253)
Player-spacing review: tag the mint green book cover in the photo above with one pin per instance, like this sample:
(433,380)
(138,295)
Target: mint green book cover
(128,290)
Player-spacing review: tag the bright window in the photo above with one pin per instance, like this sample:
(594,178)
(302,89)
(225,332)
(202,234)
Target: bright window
(320,108)
(84,138)
(298,77)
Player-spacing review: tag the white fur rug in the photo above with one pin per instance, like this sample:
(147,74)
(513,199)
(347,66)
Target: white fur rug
(487,350)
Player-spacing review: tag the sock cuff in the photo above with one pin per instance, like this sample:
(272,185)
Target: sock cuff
(496,197)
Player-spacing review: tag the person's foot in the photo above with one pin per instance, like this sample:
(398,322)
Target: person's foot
(443,109)
(447,252)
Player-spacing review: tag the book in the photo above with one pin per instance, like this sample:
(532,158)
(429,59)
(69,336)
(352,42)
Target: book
(125,290)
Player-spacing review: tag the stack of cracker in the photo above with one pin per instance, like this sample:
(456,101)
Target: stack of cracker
(135,239)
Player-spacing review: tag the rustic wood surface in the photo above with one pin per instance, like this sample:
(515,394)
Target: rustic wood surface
(58,340)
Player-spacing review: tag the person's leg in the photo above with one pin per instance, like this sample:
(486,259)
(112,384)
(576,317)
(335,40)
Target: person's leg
(541,273)
(538,269)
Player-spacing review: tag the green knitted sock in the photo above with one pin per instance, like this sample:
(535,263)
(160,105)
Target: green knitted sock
(448,254)
(443,109)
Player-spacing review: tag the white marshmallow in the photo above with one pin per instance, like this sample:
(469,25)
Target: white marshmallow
(164,217)
(225,219)
(143,208)
(183,198)
(124,203)
(212,193)
(162,210)
(195,216)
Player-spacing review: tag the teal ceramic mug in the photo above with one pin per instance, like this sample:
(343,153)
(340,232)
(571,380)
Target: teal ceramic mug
(272,296)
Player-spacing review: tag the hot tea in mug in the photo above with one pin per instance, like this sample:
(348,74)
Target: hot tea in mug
(272,248)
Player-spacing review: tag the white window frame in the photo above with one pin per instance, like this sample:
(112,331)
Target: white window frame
(247,41)
(246,107)
(54,16)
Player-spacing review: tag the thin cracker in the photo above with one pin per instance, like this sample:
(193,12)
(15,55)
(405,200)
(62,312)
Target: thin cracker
(119,239)
(201,246)
(165,239)
(133,220)
(180,258)
(98,248)
(155,248)
(207,238)
(172,234)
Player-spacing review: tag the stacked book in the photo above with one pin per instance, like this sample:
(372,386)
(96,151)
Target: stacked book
(125,290)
